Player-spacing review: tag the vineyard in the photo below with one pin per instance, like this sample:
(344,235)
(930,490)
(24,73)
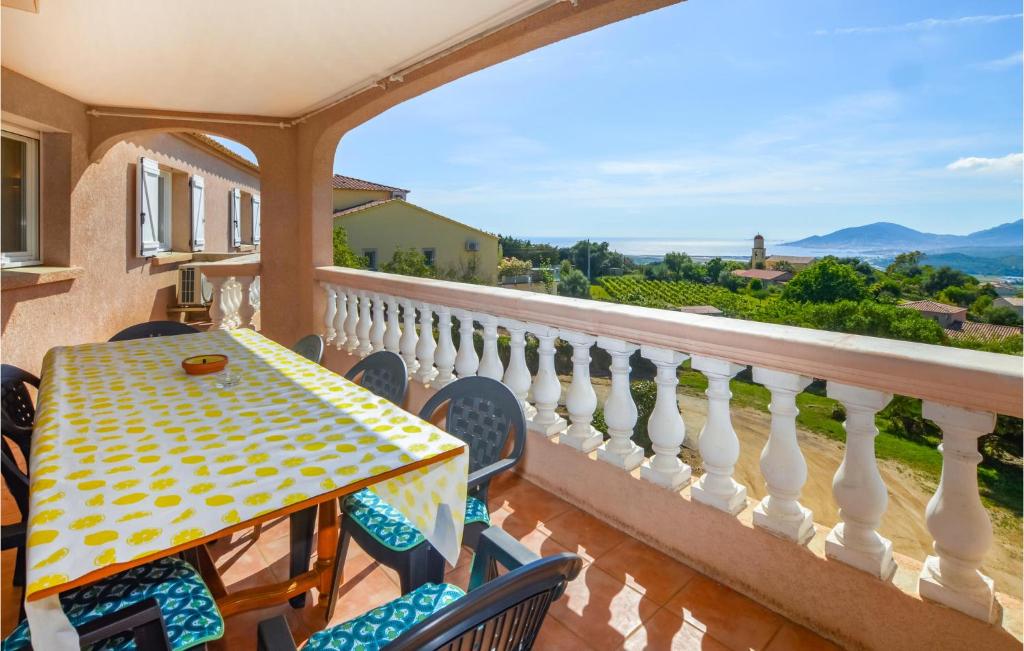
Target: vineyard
(673,294)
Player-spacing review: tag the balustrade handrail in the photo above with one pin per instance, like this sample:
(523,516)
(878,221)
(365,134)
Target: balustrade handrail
(230,268)
(971,379)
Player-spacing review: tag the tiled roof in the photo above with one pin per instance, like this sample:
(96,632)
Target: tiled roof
(981,331)
(340,182)
(1012,300)
(763,274)
(363,206)
(933,306)
(373,204)
(224,151)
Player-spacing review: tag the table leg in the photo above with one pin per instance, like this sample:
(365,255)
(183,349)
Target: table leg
(327,546)
(300,530)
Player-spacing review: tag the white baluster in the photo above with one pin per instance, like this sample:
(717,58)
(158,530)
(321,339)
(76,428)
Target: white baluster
(546,387)
(393,335)
(425,347)
(620,412)
(490,363)
(956,518)
(858,486)
(517,375)
(719,445)
(340,317)
(330,310)
(230,302)
(466,361)
(409,341)
(217,302)
(782,463)
(363,327)
(246,310)
(352,323)
(377,327)
(580,399)
(444,356)
(666,427)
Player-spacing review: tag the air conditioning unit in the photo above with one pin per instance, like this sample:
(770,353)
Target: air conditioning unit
(193,287)
(472,245)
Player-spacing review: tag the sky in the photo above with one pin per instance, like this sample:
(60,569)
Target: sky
(716,119)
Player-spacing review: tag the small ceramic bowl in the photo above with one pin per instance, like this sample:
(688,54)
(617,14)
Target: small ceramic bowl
(203,364)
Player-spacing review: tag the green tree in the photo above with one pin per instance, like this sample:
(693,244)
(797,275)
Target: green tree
(344,256)
(574,283)
(409,262)
(826,281)
(1002,316)
(944,277)
(713,267)
(906,264)
(729,281)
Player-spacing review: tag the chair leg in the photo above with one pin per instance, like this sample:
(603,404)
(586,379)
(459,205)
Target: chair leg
(422,565)
(339,563)
(18,580)
(300,529)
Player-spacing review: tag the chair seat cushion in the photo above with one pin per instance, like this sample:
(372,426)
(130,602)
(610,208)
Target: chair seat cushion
(389,527)
(189,610)
(381,626)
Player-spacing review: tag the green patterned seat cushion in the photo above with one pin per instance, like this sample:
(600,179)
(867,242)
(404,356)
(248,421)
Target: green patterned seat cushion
(188,608)
(389,527)
(381,626)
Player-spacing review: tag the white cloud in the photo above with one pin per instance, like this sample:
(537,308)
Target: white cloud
(923,25)
(1012,61)
(1007,163)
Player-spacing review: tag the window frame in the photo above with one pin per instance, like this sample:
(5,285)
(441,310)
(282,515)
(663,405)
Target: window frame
(33,228)
(164,230)
(371,263)
(430,255)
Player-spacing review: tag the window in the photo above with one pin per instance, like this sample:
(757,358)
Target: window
(371,259)
(429,255)
(19,213)
(164,221)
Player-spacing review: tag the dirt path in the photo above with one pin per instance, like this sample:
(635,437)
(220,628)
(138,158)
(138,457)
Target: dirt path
(909,493)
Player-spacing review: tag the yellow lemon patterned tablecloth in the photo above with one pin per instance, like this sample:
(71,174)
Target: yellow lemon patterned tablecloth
(132,457)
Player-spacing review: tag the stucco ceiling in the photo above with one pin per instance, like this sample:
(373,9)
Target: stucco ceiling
(260,57)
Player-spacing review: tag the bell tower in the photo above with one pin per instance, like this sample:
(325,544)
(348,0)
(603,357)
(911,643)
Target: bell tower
(757,254)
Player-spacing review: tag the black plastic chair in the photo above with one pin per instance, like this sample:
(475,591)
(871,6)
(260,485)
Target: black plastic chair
(384,374)
(480,411)
(153,329)
(311,347)
(14,534)
(505,612)
(17,411)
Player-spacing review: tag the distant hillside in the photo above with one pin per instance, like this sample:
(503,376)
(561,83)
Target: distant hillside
(886,236)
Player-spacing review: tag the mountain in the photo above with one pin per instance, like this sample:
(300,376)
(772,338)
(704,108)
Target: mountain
(886,236)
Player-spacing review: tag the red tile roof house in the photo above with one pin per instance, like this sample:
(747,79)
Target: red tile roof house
(766,276)
(953,320)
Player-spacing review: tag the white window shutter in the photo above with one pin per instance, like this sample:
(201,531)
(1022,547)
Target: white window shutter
(255,219)
(147,203)
(198,196)
(235,216)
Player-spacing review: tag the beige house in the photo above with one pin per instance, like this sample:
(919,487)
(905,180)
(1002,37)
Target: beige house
(109,253)
(1015,303)
(379,221)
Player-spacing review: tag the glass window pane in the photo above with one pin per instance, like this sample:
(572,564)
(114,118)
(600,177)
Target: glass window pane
(14,209)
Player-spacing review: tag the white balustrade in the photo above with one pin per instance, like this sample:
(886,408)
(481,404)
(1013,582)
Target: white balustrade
(466,360)
(246,309)
(490,363)
(352,322)
(956,518)
(409,340)
(782,463)
(858,486)
(444,356)
(377,327)
(719,445)
(425,347)
(620,413)
(218,303)
(665,426)
(580,399)
(330,310)
(363,326)
(340,314)
(234,300)
(393,334)
(517,375)
(546,388)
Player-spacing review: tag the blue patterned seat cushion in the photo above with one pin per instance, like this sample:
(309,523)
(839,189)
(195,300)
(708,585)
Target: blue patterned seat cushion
(390,528)
(188,608)
(381,626)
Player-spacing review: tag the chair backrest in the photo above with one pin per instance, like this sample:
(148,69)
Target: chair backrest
(311,347)
(505,613)
(484,413)
(153,329)
(383,373)
(18,412)
(17,481)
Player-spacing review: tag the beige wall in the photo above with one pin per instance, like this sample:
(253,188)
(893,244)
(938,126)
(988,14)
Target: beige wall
(87,214)
(344,199)
(399,224)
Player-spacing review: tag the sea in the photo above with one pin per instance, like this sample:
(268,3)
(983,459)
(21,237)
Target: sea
(648,249)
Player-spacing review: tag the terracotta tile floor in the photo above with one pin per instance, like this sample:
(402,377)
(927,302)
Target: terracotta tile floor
(629,596)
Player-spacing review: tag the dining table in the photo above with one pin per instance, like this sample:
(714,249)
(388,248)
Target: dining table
(133,460)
